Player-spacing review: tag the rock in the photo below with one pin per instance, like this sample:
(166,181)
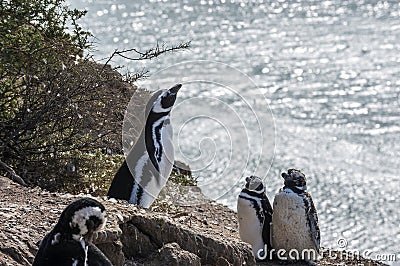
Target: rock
(159,230)
(131,233)
(172,254)
(221,261)
(113,251)
(136,243)
(204,233)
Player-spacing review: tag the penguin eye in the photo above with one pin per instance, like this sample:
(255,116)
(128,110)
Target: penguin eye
(93,222)
(167,100)
(75,229)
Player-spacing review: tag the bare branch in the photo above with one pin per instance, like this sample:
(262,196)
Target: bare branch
(137,75)
(148,54)
(12,173)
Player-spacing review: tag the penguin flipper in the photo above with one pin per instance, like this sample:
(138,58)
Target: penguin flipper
(266,233)
(96,257)
(266,206)
(40,255)
(64,253)
(313,221)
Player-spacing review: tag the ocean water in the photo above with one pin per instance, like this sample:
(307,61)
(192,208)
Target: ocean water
(272,85)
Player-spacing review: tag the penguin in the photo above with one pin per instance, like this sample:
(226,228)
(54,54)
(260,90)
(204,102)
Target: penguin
(295,227)
(254,216)
(149,163)
(70,241)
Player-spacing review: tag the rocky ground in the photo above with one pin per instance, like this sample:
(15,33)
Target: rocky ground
(183,228)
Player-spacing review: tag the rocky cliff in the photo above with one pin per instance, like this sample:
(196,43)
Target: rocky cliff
(184,228)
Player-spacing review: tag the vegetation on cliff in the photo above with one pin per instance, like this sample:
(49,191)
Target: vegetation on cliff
(61,112)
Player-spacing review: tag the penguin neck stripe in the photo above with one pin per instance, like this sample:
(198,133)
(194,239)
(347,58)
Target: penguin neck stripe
(256,203)
(256,194)
(153,138)
(157,108)
(156,137)
(294,189)
(245,195)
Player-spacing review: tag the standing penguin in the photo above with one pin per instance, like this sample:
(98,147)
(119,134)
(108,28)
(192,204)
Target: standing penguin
(70,241)
(149,163)
(255,215)
(295,221)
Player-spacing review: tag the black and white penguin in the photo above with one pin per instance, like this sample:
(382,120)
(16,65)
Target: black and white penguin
(70,241)
(295,222)
(149,163)
(255,216)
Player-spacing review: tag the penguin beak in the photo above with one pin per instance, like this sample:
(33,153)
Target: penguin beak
(175,89)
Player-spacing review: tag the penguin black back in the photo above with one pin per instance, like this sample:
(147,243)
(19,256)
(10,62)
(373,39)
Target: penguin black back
(121,186)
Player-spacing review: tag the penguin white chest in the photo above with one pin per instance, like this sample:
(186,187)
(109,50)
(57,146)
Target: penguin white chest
(291,229)
(250,228)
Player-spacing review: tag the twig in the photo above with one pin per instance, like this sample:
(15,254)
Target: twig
(132,77)
(150,53)
(13,174)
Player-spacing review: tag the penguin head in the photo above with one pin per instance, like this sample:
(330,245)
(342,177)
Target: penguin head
(82,218)
(295,180)
(255,184)
(163,101)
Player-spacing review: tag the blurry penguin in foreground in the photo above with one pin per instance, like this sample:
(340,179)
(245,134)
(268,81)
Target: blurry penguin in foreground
(70,241)
(295,220)
(149,163)
(255,215)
